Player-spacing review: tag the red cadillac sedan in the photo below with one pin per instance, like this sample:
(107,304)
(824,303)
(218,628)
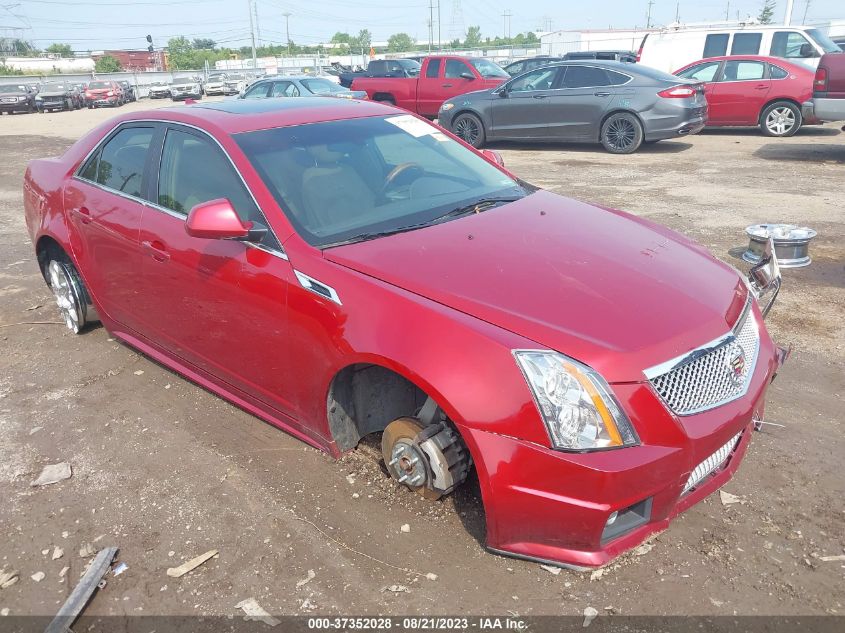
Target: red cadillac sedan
(753,90)
(343,268)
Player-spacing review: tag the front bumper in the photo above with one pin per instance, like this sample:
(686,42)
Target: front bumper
(104,101)
(554,506)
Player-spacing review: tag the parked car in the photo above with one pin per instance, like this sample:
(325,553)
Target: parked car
(103,93)
(828,102)
(225,84)
(313,238)
(675,48)
(16,98)
(159,90)
(616,104)
(383,68)
(128,91)
(839,41)
(58,96)
(185,88)
(442,77)
(618,56)
(299,86)
(524,65)
(754,90)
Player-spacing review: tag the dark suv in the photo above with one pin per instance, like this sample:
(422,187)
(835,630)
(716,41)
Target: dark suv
(16,98)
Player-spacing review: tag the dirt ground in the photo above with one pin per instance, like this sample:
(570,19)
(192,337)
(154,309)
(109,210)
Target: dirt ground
(165,471)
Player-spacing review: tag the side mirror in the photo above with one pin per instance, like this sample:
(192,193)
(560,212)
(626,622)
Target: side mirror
(503,92)
(494,156)
(216,220)
(469,76)
(807,50)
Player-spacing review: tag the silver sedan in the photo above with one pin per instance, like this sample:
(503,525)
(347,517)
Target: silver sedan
(299,86)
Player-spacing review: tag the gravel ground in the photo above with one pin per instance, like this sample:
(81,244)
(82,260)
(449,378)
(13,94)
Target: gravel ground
(166,471)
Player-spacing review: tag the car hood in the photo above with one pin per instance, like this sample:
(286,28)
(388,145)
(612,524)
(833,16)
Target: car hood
(16,93)
(616,292)
(53,93)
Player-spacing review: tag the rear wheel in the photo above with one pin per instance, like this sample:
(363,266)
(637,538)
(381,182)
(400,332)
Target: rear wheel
(781,118)
(622,133)
(69,292)
(469,129)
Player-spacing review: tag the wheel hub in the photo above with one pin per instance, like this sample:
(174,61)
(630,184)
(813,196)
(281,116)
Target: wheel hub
(407,464)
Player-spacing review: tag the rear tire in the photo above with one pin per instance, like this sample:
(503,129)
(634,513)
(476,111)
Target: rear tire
(781,119)
(69,292)
(621,133)
(469,129)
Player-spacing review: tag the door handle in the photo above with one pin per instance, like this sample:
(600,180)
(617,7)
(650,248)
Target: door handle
(157,250)
(541,96)
(762,87)
(601,94)
(447,85)
(84,215)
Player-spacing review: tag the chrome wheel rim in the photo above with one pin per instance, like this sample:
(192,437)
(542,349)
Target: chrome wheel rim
(67,296)
(467,130)
(780,121)
(620,133)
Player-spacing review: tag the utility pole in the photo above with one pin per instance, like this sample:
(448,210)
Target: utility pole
(439,40)
(251,32)
(806,8)
(287,15)
(506,17)
(648,16)
(728,12)
(257,23)
(678,12)
(430,24)
(787,18)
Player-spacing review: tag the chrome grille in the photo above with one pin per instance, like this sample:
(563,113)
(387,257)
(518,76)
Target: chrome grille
(711,464)
(712,375)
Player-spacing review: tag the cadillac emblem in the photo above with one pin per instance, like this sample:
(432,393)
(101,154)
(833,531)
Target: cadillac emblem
(736,366)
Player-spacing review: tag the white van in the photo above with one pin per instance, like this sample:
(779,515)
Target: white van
(670,49)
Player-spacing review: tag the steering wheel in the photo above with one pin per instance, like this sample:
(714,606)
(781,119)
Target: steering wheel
(397,171)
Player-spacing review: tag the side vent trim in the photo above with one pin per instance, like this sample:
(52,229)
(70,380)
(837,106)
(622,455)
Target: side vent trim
(317,287)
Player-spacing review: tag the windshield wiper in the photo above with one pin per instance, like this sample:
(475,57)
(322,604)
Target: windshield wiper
(363,237)
(476,207)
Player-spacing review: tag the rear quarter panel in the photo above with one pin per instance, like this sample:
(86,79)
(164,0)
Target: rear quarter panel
(403,90)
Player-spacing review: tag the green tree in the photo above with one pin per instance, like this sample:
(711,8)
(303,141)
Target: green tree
(107,64)
(399,43)
(531,38)
(180,54)
(203,43)
(6,70)
(341,42)
(473,39)
(62,50)
(767,12)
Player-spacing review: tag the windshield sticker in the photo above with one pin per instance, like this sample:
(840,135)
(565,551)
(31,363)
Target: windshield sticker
(412,125)
(439,136)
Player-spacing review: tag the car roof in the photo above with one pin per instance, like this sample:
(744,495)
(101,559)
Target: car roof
(247,115)
(777,61)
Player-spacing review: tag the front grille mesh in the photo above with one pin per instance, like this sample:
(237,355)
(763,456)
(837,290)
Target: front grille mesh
(708,380)
(711,464)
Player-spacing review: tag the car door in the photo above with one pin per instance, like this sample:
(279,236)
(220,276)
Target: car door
(220,305)
(740,93)
(429,87)
(707,73)
(458,78)
(104,205)
(524,108)
(284,89)
(258,91)
(585,95)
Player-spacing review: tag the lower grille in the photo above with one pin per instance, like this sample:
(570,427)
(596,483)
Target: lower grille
(712,375)
(711,464)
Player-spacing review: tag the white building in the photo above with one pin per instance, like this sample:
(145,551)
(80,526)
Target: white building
(561,42)
(48,65)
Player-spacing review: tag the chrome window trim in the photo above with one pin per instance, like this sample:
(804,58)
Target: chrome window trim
(686,357)
(308,283)
(158,207)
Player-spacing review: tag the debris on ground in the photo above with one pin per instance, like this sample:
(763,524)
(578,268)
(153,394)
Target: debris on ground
(307,605)
(83,591)
(405,528)
(829,559)
(38,576)
(64,571)
(716,603)
(396,589)
(5,611)
(8,578)
(551,569)
(728,499)
(52,474)
(87,550)
(643,549)
(58,552)
(350,478)
(305,581)
(139,372)
(431,576)
(597,573)
(122,567)
(35,429)
(589,615)
(184,568)
(255,611)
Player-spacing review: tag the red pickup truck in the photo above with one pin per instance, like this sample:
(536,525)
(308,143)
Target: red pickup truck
(441,77)
(828,102)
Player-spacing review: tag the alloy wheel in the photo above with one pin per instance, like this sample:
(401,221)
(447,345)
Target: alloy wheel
(780,121)
(467,130)
(68,296)
(620,134)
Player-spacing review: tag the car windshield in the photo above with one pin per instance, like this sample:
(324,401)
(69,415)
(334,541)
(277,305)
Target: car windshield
(356,179)
(216,77)
(8,89)
(322,86)
(97,85)
(235,77)
(53,88)
(486,68)
(827,44)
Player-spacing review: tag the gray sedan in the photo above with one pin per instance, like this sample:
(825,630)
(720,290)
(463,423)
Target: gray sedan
(301,86)
(616,104)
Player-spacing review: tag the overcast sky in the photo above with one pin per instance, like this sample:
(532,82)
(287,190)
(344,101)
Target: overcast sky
(98,24)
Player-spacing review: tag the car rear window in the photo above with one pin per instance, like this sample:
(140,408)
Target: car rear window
(776,72)
(743,71)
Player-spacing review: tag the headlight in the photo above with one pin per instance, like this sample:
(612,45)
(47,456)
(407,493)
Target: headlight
(576,403)
(447,106)
(110,93)
(37,98)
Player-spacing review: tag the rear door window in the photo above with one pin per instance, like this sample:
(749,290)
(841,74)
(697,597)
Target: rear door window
(585,77)
(119,165)
(284,89)
(433,69)
(716,44)
(746,43)
(743,71)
